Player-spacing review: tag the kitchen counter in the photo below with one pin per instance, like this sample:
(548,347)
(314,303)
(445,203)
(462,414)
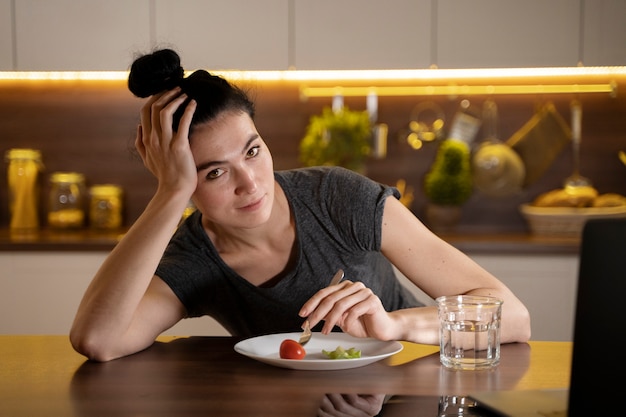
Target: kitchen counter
(89,240)
(512,243)
(53,241)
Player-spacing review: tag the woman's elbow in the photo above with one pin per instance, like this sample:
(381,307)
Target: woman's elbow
(90,346)
(521,326)
(527,332)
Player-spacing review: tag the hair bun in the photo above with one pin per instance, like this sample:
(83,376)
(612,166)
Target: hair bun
(156,72)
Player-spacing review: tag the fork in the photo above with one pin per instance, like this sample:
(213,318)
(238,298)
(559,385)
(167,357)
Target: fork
(306,334)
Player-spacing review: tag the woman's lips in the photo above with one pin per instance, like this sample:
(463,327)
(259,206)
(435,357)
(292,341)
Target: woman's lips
(254,205)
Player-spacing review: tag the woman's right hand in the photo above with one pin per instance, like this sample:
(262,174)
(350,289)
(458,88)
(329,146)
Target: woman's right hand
(166,153)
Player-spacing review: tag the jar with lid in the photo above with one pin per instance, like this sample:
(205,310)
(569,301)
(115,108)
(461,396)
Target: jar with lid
(105,208)
(24,167)
(66,204)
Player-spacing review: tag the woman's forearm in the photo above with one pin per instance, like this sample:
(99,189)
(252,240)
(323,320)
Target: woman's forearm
(111,301)
(417,325)
(421,324)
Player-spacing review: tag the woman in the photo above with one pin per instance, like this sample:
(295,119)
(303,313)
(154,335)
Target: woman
(258,253)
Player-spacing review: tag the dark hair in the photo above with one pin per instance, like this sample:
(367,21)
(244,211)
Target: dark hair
(161,71)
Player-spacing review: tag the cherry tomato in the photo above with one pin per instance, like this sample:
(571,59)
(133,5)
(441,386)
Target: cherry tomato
(290,349)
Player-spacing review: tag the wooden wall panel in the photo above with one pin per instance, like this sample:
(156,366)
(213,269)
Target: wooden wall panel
(89,127)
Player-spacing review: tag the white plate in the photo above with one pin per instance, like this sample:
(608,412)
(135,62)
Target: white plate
(265,349)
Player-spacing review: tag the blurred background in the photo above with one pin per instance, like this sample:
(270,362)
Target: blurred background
(424,71)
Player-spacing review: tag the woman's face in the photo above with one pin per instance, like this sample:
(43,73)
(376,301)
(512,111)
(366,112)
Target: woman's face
(235,172)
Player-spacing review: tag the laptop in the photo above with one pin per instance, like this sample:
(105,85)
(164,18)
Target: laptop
(598,369)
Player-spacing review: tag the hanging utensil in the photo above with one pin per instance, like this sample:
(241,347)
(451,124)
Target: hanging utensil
(379,130)
(539,141)
(498,170)
(576,180)
(337,105)
(466,123)
(427,121)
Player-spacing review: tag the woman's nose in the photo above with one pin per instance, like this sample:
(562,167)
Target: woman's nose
(246,182)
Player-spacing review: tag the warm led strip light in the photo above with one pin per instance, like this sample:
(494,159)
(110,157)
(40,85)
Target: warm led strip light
(63,75)
(454,90)
(513,80)
(344,75)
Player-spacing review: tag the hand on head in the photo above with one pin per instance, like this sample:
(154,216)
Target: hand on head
(176,105)
(165,152)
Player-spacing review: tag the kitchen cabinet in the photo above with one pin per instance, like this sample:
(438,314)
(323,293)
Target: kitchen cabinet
(86,35)
(226,34)
(6,36)
(507,33)
(546,284)
(355,34)
(40,291)
(68,35)
(604,34)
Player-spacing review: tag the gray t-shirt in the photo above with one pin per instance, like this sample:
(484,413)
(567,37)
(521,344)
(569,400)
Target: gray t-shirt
(338,218)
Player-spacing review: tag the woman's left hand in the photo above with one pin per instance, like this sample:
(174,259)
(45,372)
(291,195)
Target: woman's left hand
(351,306)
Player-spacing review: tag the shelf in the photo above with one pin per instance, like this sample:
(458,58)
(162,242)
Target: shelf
(51,240)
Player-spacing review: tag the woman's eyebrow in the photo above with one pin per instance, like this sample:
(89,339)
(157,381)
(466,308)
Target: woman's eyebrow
(208,164)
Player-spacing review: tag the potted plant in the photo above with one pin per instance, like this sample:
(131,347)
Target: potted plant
(340,138)
(448,184)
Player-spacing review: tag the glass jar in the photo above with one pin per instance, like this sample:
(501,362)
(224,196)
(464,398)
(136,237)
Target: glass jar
(66,204)
(24,166)
(105,208)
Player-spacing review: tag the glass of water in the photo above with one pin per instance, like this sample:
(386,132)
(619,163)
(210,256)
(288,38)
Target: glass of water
(469,331)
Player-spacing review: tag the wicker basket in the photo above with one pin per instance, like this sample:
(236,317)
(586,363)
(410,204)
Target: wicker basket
(565,221)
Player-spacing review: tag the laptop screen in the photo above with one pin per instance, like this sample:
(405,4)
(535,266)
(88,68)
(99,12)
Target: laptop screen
(598,367)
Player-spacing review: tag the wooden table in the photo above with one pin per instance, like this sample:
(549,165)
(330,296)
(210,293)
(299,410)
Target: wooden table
(43,376)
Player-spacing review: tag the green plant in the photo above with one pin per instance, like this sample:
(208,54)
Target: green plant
(337,138)
(449,181)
